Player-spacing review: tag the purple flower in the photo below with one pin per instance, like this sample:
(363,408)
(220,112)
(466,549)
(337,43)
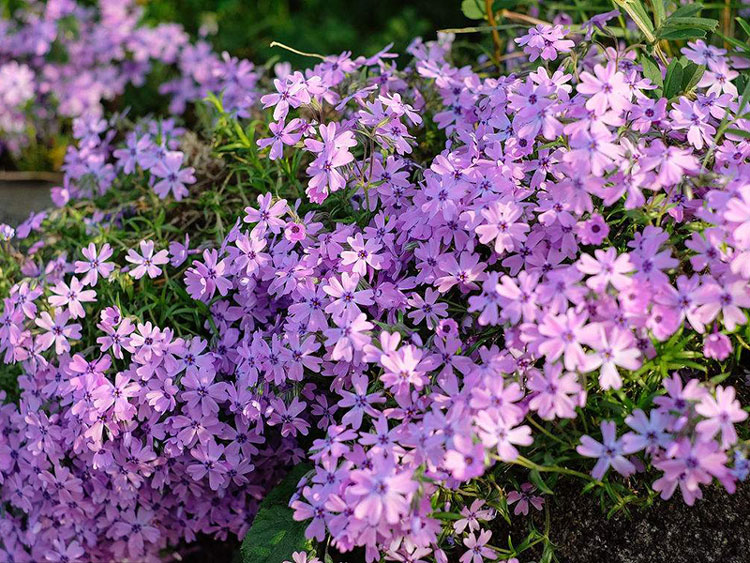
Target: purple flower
(609,452)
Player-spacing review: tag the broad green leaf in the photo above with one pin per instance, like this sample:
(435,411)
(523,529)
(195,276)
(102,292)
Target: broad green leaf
(691,75)
(673,80)
(651,70)
(274,534)
(473,9)
(687,10)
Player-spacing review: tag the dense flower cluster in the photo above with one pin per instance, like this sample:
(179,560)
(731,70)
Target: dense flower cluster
(62,59)
(573,224)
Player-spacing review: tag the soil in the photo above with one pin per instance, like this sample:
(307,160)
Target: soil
(19,198)
(714,530)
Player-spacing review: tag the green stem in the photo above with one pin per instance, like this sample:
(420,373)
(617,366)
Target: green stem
(527,463)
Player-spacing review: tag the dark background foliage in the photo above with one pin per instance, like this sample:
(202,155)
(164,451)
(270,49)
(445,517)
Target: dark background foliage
(246,28)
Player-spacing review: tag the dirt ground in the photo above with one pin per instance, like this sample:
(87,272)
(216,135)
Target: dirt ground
(714,530)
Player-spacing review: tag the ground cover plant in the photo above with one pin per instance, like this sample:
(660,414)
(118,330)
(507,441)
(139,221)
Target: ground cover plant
(382,307)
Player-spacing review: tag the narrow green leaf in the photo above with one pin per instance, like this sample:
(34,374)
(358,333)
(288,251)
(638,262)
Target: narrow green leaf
(536,478)
(682,34)
(744,25)
(706,24)
(660,11)
(739,132)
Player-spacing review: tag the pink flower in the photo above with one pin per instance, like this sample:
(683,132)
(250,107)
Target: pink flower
(562,336)
(147,262)
(717,345)
(294,232)
(471,517)
(477,550)
(613,348)
(721,413)
(554,392)
(57,331)
(362,254)
(607,268)
(95,264)
(690,466)
(382,492)
(348,336)
(346,297)
(71,296)
(607,88)
(502,227)
(524,498)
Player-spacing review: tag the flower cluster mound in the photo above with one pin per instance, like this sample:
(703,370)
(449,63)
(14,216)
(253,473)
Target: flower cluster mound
(63,59)
(435,290)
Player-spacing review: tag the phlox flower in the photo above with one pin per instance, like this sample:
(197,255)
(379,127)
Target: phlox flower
(502,226)
(173,176)
(345,295)
(281,134)
(524,498)
(609,452)
(363,253)
(427,308)
(58,331)
(554,393)
(690,466)
(348,335)
(613,348)
(721,412)
(204,278)
(471,515)
(382,492)
(95,264)
(477,551)
(729,299)
(562,336)
(147,262)
(649,432)
(208,455)
(268,216)
(606,89)
(545,41)
(71,296)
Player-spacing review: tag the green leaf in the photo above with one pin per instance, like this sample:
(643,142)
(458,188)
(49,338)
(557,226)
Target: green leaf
(473,9)
(673,80)
(706,24)
(681,34)
(660,11)
(651,70)
(744,25)
(691,75)
(536,478)
(274,534)
(739,132)
(687,10)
